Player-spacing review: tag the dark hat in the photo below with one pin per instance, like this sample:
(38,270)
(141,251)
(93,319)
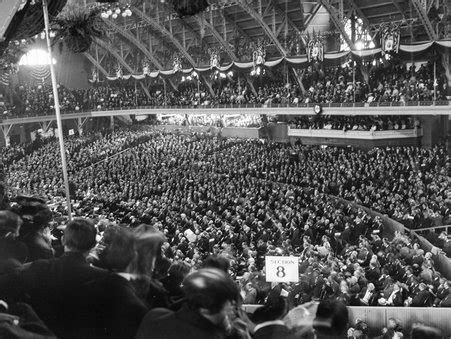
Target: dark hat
(33,210)
(9,222)
(274,309)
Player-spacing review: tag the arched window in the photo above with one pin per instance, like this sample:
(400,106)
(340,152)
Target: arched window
(35,57)
(363,38)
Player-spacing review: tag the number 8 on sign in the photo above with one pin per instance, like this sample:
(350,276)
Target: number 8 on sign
(280,272)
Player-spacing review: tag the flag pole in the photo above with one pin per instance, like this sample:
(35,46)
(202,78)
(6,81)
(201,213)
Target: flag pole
(57,109)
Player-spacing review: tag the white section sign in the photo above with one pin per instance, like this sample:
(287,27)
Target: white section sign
(282,269)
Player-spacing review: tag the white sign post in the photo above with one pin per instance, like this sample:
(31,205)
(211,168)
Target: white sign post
(282,269)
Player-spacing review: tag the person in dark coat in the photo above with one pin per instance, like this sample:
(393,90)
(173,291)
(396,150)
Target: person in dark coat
(209,298)
(442,292)
(331,319)
(50,286)
(268,320)
(35,231)
(13,253)
(423,298)
(110,307)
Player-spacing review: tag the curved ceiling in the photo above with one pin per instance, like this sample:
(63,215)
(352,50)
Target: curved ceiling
(282,25)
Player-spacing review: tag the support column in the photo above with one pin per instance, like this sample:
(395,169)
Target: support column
(80,124)
(111,122)
(6,131)
(45,125)
(22,134)
(445,64)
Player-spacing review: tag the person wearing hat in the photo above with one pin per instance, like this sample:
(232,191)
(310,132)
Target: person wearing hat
(51,285)
(331,320)
(268,320)
(35,231)
(13,253)
(423,297)
(210,298)
(111,306)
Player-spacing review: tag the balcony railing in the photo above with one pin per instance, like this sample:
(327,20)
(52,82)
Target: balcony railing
(244,106)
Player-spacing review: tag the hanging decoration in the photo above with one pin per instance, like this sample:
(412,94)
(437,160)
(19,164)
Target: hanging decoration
(390,37)
(297,61)
(95,74)
(119,72)
(315,48)
(259,54)
(78,27)
(115,10)
(146,67)
(177,63)
(215,57)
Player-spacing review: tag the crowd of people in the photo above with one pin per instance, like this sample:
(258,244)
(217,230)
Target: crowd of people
(166,208)
(221,203)
(354,123)
(386,82)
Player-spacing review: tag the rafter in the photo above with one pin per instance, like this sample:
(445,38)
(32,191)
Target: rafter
(422,14)
(337,22)
(166,34)
(269,33)
(312,16)
(114,53)
(289,21)
(359,13)
(235,26)
(217,36)
(136,43)
(96,64)
(398,7)
(225,45)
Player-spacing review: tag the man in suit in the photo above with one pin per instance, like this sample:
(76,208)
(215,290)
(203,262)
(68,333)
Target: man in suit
(110,307)
(13,253)
(268,320)
(423,298)
(206,313)
(50,285)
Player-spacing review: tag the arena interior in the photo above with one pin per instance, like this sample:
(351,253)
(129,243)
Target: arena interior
(262,169)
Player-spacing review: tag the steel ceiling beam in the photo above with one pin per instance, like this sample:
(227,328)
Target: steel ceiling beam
(359,13)
(136,43)
(225,45)
(235,25)
(337,22)
(96,64)
(283,14)
(268,32)
(398,7)
(312,16)
(165,33)
(217,36)
(114,53)
(422,14)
